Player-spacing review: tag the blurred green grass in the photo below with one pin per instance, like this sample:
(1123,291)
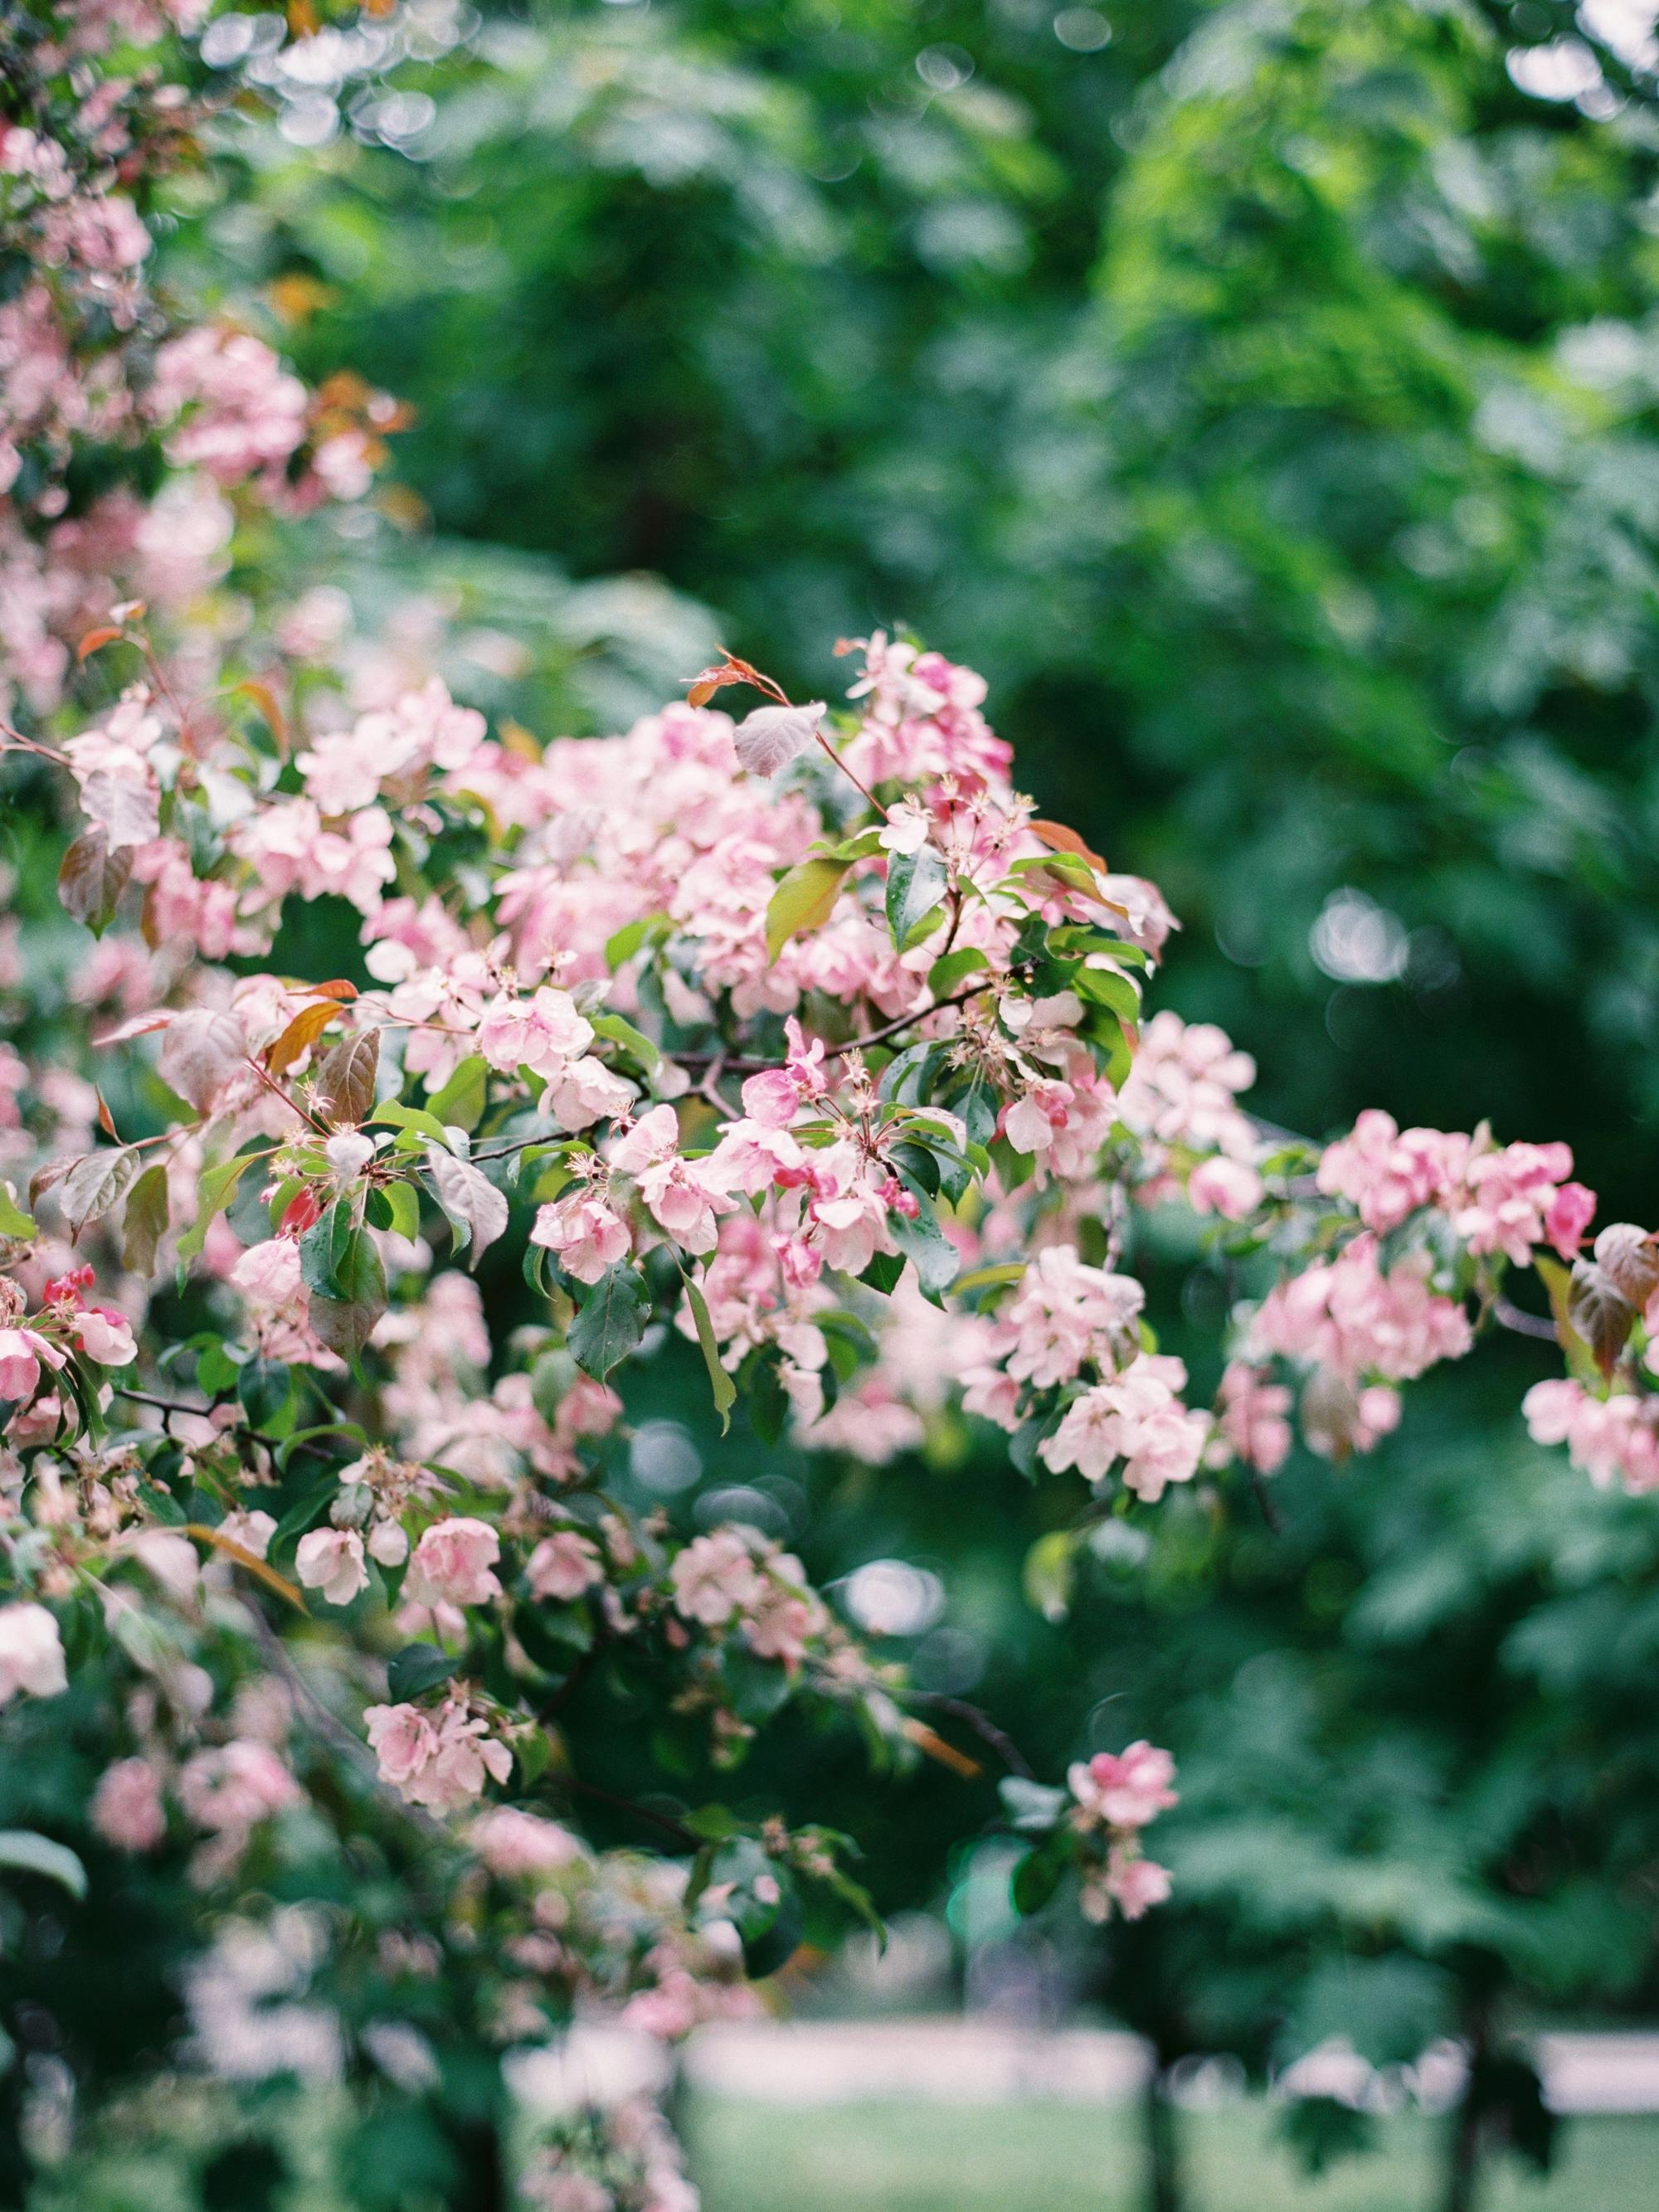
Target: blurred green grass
(904,2157)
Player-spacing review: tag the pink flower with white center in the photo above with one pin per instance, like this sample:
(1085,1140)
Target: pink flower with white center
(752,1157)
(586,1092)
(715,1577)
(22,1352)
(126,1806)
(1065,1313)
(1126,1789)
(541,1033)
(229,1790)
(1347,1316)
(331,1560)
(1137,1417)
(452,1564)
(253,1531)
(1606,1437)
(1032,1124)
(104,1335)
(388,1543)
(441,1762)
(353,864)
(586,1236)
(1569,1214)
(31,1653)
(404,1740)
(787,1615)
(771,1100)
(269,1273)
(563,1565)
(906,828)
(1184,1085)
(683,1198)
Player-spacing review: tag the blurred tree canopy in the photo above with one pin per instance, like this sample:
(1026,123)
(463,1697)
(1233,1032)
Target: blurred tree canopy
(1262,394)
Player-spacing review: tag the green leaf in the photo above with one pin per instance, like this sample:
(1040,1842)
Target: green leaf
(649,928)
(460,1104)
(417,1667)
(262,1386)
(1108,988)
(1037,1877)
(804,899)
(610,1322)
(92,878)
(634,1042)
(213,1192)
(322,1247)
(22,1849)
(980,1278)
(403,1207)
(476,1211)
(14,1222)
(724,1389)
(915,882)
(1032,1806)
(955,968)
(1047,1574)
(145,1222)
(930,1251)
(399,1116)
(346,1322)
(883,1271)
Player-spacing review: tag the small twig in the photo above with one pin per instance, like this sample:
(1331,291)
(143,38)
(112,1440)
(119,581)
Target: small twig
(1270,1512)
(983,1727)
(1522,1324)
(276,1088)
(670,1827)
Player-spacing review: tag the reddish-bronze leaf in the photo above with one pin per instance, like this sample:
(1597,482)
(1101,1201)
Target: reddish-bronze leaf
(1599,1314)
(301,1033)
(339,988)
(92,878)
(345,1081)
(1059,839)
(94,638)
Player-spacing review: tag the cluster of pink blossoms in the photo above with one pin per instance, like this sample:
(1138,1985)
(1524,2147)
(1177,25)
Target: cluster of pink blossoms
(1504,1199)
(1117,1794)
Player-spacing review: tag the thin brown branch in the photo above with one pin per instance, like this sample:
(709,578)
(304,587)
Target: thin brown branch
(982,1725)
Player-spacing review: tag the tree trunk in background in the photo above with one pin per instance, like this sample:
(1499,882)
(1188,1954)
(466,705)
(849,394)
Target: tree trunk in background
(484,2180)
(1165,2191)
(1463,2147)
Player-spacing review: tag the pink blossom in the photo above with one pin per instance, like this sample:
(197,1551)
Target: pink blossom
(31,1653)
(588,1237)
(104,1335)
(511,1842)
(713,1578)
(441,1762)
(540,1033)
(269,1273)
(126,1806)
(1126,1789)
(562,1566)
(21,1353)
(228,1789)
(452,1564)
(331,1560)
(1137,1417)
